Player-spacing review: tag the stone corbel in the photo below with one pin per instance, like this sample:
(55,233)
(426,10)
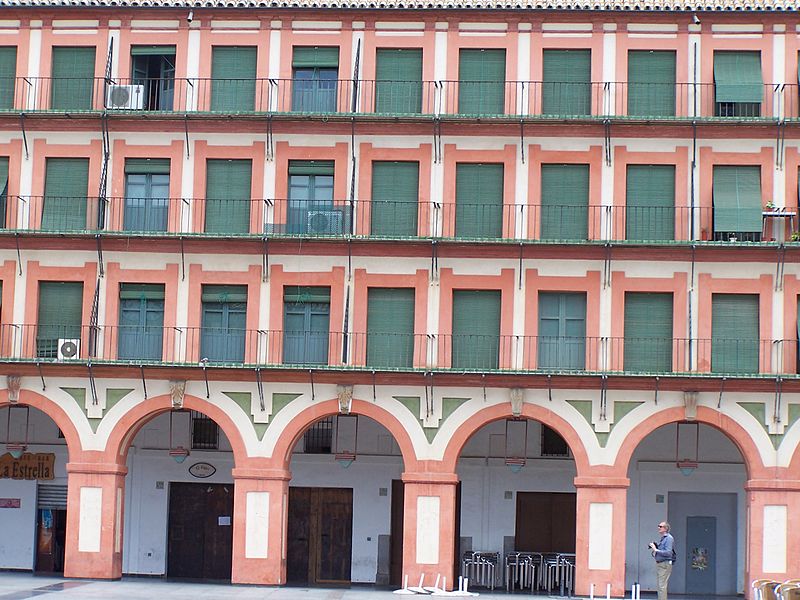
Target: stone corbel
(517,398)
(13,382)
(177,389)
(345,394)
(690,405)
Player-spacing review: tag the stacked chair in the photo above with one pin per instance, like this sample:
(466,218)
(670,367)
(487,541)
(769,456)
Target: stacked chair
(769,589)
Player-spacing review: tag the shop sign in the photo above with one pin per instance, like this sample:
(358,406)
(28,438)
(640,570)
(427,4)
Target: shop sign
(9,502)
(28,466)
(202,470)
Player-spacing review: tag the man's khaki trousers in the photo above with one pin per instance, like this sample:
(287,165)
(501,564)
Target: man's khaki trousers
(663,571)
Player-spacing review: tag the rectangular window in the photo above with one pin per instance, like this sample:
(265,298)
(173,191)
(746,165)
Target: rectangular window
(3,191)
(233,78)
(479,200)
(398,80)
(734,333)
(648,332)
(650,202)
(8,73)
(72,85)
(395,198)
(390,327)
(141,321)
(737,203)
(552,443)
(565,202)
(481,81)
(66,183)
(205,432)
(476,329)
(738,85)
(651,83)
(562,331)
(306,325)
(224,319)
(315,74)
(566,85)
(153,71)
(146,194)
(228,196)
(311,209)
(60,315)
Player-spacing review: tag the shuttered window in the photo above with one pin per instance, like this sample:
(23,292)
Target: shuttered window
(479,200)
(146,194)
(398,85)
(395,198)
(566,85)
(306,323)
(738,84)
(233,75)
(476,329)
(224,320)
(390,327)
(3,191)
(562,331)
(311,207)
(651,83)
(565,202)
(60,314)
(734,333)
(648,332)
(650,202)
(228,184)
(72,85)
(141,321)
(481,81)
(65,188)
(8,73)
(737,202)
(315,78)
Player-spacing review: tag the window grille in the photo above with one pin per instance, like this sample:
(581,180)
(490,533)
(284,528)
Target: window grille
(552,443)
(318,438)
(205,432)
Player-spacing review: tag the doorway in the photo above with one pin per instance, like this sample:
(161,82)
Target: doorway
(51,528)
(545,522)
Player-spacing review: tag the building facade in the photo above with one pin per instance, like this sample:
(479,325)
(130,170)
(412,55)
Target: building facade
(315,295)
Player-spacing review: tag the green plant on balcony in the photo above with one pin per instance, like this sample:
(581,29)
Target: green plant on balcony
(770,206)
(796,236)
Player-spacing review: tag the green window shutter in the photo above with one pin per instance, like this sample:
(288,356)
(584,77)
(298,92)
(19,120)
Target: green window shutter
(147,166)
(3,190)
(65,188)
(8,73)
(137,291)
(60,313)
(224,293)
(737,77)
(233,78)
(737,201)
(566,85)
(228,184)
(306,324)
(311,167)
(395,198)
(651,83)
(476,329)
(565,202)
(321,57)
(650,202)
(398,85)
(72,86)
(648,332)
(562,331)
(152,50)
(141,321)
(481,81)
(734,333)
(224,320)
(390,327)
(479,200)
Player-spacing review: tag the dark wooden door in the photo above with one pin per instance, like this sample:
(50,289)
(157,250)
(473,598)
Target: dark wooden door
(545,522)
(396,534)
(200,540)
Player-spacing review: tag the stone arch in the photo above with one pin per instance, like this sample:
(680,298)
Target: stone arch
(55,412)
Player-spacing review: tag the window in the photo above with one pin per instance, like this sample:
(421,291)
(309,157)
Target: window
(734,333)
(650,202)
(60,315)
(318,438)
(738,86)
(737,203)
(146,194)
(481,81)
(476,329)
(565,202)
(153,68)
(72,85)
(562,331)
(479,200)
(311,208)
(395,198)
(233,78)
(648,332)
(651,83)
(228,194)
(224,320)
(306,323)
(398,80)
(65,187)
(315,74)
(390,327)
(3,190)
(552,443)
(205,432)
(8,72)
(566,85)
(141,321)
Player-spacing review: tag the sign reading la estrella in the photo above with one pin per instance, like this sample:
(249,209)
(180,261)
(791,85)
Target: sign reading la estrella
(28,466)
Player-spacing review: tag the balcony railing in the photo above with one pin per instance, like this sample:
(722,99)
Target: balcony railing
(456,352)
(473,99)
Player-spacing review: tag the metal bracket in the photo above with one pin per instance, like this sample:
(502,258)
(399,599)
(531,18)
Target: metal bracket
(19,254)
(607,140)
(144,383)
(779,266)
(607,267)
(183,259)
(434,261)
(483,384)
(603,398)
(430,405)
(437,140)
(655,395)
(260,387)
(776,415)
(265,258)
(186,132)
(721,391)
(24,135)
(349,259)
(100,269)
(521,246)
(41,375)
(270,150)
(780,143)
(204,364)
(313,392)
(522,133)
(550,388)
(92,384)
(374,389)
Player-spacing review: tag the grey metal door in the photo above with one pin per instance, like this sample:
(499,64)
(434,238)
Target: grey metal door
(701,555)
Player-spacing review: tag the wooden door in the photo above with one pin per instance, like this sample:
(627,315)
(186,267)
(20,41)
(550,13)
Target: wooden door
(545,522)
(396,534)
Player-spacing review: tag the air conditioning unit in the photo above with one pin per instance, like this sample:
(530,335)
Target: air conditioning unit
(325,222)
(125,97)
(69,349)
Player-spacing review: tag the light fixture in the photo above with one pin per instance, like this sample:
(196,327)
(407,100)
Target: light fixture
(687,446)
(346,440)
(516,444)
(178,453)
(17,448)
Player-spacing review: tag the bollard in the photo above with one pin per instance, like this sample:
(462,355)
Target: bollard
(591,592)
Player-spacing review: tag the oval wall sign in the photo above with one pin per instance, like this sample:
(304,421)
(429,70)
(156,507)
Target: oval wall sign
(202,470)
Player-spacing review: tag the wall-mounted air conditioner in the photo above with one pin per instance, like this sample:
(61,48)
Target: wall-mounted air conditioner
(125,97)
(69,349)
(325,222)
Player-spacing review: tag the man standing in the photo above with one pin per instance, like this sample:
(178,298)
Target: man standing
(663,554)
